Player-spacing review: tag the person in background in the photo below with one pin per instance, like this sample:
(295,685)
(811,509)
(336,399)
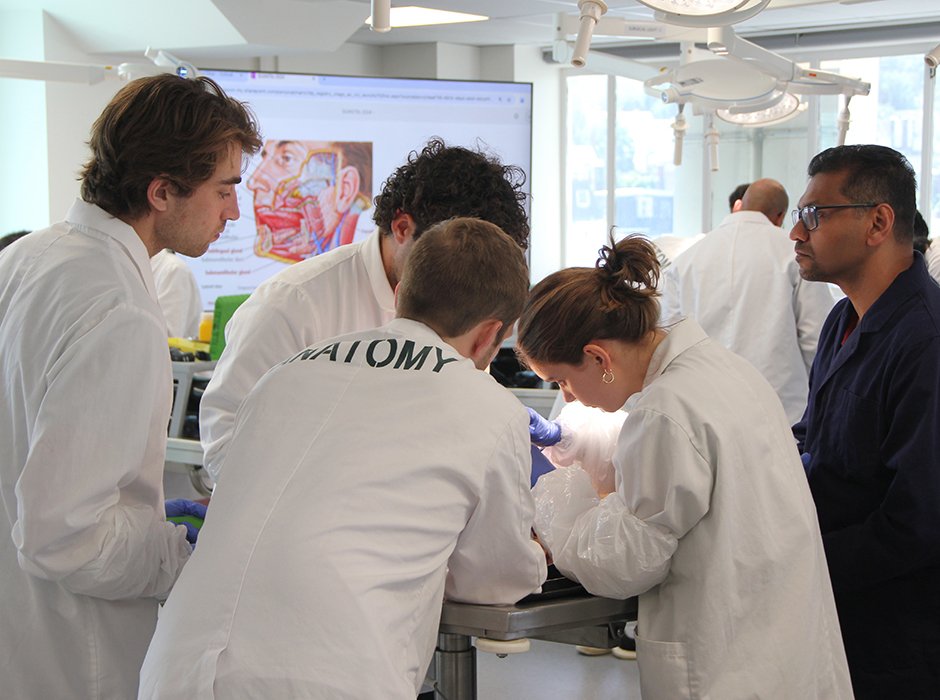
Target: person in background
(88,552)
(869,437)
(922,244)
(178,294)
(362,520)
(11,238)
(743,286)
(711,522)
(736,198)
(352,288)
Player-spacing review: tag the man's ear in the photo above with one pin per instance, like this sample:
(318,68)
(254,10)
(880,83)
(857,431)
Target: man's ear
(486,337)
(347,187)
(159,192)
(403,227)
(882,225)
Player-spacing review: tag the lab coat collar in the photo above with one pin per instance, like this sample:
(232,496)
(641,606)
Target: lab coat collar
(679,338)
(372,258)
(92,219)
(740,217)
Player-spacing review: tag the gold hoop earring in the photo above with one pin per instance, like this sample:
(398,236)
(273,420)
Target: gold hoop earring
(608,376)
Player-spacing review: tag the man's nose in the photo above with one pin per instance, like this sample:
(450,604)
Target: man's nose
(799,232)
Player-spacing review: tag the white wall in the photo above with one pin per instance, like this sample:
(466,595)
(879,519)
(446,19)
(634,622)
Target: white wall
(24,185)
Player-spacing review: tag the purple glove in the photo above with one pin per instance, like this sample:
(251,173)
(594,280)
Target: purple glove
(543,432)
(185,512)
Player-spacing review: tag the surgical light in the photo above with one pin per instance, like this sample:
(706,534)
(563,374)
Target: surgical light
(704,13)
(786,108)
(591,12)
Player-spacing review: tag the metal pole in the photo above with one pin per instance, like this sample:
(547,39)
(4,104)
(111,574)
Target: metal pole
(455,668)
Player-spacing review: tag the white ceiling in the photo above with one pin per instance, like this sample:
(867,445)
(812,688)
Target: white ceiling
(222,28)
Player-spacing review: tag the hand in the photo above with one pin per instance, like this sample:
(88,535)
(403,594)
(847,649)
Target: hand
(188,513)
(806,458)
(543,432)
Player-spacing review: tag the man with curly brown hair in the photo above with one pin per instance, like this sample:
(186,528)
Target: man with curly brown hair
(352,288)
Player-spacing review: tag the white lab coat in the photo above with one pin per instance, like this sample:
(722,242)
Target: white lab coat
(342,291)
(178,294)
(343,519)
(714,527)
(743,286)
(932,258)
(86,398)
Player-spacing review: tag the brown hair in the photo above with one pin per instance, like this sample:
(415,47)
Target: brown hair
(461,272)
(616,299)
(162,126)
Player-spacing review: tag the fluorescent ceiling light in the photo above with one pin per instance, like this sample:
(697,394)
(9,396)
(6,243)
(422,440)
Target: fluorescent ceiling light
(787,108)
(413,16)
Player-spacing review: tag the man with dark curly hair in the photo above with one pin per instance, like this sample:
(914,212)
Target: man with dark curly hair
(352,288)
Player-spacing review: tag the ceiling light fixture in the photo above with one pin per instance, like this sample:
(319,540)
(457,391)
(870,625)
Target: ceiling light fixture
(787,107)
(414,16)
(704,13)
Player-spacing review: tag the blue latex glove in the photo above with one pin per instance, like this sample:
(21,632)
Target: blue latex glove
(543,432)
(187,511)
(806,458)
(540,464)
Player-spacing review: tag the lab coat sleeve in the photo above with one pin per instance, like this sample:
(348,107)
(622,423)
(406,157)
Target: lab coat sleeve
(495,560)
(812,302)
(622,546)
(259,335)
(90,499)
(903,533)
(588,439)
(180,301)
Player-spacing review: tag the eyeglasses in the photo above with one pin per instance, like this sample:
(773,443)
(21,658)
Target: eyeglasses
(809,214)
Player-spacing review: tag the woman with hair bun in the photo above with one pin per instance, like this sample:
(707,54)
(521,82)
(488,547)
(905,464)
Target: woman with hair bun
(711,522)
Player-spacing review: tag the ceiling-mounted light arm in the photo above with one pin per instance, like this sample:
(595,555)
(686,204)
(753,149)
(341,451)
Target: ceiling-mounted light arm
(381,15)
(723,41)
(711,141)
(844,120)
(591,11)
(729,12)
(55,71)
(932,60)
(678,129)
(171,64)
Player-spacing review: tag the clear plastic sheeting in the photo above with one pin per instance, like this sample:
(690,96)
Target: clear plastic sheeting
(588,439)
(599,543)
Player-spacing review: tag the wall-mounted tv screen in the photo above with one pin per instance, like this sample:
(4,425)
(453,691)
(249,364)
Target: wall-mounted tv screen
(329,144)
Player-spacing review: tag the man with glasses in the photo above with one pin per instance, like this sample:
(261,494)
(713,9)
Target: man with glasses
(869,437)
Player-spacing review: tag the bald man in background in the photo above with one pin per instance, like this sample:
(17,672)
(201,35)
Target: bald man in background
(742,284)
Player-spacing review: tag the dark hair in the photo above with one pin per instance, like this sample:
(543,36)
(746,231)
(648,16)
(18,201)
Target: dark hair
(737,193)
(461,272)
(874,174)
(11,238)
(616,299)
(921,233)
(445,181)
(162,126)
